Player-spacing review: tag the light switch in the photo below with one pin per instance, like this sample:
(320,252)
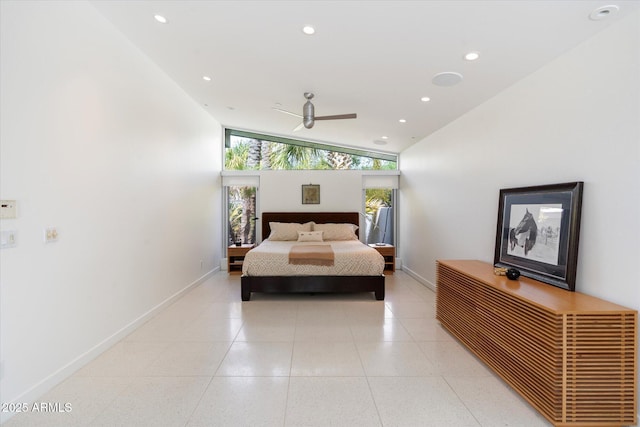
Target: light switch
(7,209)
(8,239)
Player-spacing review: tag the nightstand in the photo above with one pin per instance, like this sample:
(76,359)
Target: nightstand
(235,257)
(389,254)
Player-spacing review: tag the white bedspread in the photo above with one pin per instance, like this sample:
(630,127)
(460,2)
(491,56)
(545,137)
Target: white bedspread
(352,258)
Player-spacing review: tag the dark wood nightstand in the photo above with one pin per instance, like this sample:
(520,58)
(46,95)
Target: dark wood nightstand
(235,257)
(389,254)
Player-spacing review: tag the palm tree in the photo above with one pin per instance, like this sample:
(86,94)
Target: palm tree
(265,155)
(337,160)
(236,157)
(253,157)
(289,156)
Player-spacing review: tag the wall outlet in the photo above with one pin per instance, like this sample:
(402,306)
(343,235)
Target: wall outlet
(50,234)
(8,238)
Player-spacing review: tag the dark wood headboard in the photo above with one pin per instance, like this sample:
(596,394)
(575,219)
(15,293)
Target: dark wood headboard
(302,217)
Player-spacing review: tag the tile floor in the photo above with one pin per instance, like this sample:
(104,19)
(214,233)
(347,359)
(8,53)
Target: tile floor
(288,360)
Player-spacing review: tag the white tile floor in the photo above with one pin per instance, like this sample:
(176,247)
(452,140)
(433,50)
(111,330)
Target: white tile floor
(288,360)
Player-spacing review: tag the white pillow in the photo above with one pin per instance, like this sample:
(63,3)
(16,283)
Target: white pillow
(287,230)
(337,231)
(310,236)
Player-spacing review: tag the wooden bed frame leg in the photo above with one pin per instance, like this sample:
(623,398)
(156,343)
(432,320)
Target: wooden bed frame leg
(380,294)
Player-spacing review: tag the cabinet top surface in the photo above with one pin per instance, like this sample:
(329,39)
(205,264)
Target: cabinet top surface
(244,246)
(542,294)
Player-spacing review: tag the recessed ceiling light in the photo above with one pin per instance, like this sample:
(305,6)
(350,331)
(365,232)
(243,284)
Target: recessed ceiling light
(448,78)
(206,78)
(161,19)
(384,137)
(425,99)
(472,56)
(402,121)
(603,12)
(308,29)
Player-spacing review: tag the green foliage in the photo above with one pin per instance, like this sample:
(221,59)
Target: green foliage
(375,198)
(247,153)
(235,158)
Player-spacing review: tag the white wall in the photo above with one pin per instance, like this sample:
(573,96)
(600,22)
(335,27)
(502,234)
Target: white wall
(576,119)
(281,191)
(100,143)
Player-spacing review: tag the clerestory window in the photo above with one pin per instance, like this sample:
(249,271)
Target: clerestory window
(254,151)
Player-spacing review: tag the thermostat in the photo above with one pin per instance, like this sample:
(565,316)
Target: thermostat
(7,209)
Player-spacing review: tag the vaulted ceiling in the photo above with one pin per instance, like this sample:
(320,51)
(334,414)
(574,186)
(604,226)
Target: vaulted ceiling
(374,58)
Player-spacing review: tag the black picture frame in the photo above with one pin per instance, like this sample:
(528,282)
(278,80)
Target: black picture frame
(538,232)
(311,194)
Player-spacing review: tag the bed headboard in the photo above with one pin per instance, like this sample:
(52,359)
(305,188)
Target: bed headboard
(302,217)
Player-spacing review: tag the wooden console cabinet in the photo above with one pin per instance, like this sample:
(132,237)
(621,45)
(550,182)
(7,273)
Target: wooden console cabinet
(572,356)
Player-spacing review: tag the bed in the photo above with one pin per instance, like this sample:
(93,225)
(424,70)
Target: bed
(356,267)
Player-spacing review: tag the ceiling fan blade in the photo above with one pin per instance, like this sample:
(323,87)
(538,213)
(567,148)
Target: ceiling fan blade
(297,128)
(287,112)
(338,116)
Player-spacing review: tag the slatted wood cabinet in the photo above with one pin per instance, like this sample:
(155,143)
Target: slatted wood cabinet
(572,356)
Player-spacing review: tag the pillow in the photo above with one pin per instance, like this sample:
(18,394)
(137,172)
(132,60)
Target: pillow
(287,230)
(337,231)
(310,236)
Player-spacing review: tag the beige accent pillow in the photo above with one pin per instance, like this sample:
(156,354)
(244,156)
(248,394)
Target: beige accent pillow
(287,230)
(337,231)
(310,236)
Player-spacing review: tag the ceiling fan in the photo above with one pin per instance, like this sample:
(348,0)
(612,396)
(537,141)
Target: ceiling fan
(308,114)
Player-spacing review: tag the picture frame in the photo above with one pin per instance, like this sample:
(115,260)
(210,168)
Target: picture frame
(538,232)
(311,194)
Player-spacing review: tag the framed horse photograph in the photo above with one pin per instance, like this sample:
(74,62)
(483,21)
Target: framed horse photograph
(538,232)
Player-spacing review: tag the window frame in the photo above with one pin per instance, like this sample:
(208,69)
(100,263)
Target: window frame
(375,155)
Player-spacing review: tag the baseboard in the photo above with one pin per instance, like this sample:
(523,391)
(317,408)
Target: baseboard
(66,371)
(419,278)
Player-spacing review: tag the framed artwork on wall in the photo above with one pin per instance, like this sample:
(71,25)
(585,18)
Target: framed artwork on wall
(311,194)
(538,232)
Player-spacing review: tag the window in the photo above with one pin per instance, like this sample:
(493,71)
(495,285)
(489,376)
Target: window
(241,202)
(379,213)
(380,207)
(253,151)
(241,199)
